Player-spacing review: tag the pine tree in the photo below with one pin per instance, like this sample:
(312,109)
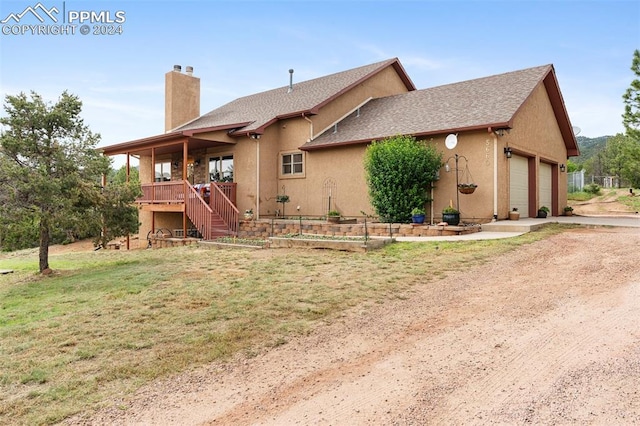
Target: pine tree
(51,172)
(631,116)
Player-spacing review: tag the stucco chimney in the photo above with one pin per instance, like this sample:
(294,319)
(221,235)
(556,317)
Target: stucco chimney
(181,97)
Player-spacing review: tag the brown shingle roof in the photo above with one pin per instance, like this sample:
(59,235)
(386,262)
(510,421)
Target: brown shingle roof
(262,109)
(474,104)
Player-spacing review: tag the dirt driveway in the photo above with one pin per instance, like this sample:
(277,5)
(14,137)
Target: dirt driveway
(546,334)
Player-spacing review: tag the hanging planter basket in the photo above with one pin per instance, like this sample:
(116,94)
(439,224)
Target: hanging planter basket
(467,188)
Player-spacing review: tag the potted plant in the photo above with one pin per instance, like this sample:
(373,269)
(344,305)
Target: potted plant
(543,211)
(568,211)
(514,214)
(451,216)
(333,216)
(417,215)
(248,214)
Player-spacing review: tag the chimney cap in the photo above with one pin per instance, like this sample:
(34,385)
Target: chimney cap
(189,70)
(177,68)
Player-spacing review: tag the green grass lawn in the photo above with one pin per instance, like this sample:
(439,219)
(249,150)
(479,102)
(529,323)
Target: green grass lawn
(107,322)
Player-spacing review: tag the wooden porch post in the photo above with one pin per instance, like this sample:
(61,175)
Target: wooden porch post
(128,168)
(153,175)
(185,154)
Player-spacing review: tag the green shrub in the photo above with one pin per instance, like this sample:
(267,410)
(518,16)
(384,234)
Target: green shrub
(400,171)
(592,188)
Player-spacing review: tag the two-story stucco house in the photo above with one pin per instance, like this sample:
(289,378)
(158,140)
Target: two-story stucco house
(307,140)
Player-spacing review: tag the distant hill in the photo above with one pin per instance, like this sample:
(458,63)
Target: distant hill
(589,147)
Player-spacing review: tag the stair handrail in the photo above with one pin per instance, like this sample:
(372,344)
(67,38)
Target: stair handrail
(222,205)
(198,211)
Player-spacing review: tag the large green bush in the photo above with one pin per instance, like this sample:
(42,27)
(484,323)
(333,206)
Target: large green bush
(400,171)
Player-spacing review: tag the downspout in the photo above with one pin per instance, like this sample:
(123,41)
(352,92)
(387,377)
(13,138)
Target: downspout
(495,175)
(310,126)
(257,138)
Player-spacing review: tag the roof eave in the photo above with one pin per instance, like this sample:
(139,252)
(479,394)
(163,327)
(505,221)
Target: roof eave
(560,111)
(163,139)
(134,145)
(488,127)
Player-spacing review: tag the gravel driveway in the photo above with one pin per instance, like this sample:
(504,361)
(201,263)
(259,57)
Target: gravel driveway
(546,334)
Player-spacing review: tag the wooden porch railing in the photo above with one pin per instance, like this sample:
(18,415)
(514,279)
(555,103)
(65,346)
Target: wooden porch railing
(222,205)
(162,192)
(218,217)
(229,189)
(199,212)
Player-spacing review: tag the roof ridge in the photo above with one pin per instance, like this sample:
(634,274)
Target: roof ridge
(307,96)
(375,65)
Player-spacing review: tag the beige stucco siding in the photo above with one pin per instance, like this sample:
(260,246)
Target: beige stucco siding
(338,173)
(535,134)
(475,165)
(385,83)
(345,167)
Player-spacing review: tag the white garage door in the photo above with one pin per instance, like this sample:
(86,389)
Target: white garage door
(519,185)
(545,185)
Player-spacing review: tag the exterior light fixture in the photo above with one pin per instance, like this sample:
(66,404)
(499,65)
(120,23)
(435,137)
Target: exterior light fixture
(562,168)
(507,152)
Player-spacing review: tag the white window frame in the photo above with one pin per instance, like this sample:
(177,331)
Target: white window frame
(162,168)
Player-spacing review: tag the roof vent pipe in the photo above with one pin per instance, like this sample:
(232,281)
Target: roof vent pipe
(189,70)
(290,81)
(177,68)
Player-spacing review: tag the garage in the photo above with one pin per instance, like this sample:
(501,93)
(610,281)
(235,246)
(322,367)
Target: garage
(519,184)
(545,186)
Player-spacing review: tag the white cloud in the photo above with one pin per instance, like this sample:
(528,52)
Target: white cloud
(421,63)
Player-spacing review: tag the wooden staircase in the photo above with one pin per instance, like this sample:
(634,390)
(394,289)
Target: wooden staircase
(219,218)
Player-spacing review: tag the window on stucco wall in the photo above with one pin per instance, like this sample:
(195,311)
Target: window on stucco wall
(292,164)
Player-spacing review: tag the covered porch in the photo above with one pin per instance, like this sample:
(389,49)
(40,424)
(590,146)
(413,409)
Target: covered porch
(177,177)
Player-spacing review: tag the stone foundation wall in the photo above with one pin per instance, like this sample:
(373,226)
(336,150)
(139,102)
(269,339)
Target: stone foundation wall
(265,228)
(159,242)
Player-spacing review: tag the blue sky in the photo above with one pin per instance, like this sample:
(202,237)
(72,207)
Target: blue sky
(243,47)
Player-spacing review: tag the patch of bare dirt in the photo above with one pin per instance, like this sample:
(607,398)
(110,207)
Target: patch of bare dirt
(87,245)
(546,334)
(605,205)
